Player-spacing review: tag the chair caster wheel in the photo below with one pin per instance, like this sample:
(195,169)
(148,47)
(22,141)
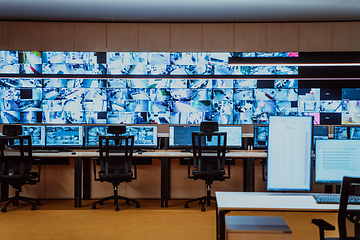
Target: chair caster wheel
(137,205)
(33,207)
(127,202)
(93,206)
(200,202)
(38,203)
(117,208)
(186,205)
(203,209)
(3,209)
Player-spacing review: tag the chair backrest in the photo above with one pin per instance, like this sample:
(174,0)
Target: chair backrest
(116,154)
(348,221)
(209,157)
(15,155)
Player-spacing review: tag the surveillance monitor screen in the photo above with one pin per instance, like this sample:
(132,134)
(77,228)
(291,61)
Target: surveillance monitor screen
(64,136)
(261,135)
(335,159)
(355,133)
(37,133)
(320,132)
(289,153)
(144,136)
(340,132)
(180,136)
(233,137)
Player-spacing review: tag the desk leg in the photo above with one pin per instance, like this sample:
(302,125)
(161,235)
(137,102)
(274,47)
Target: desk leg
(220,223)
(4,190)
(165,181)
(77,182)
(249,174)
(86,178)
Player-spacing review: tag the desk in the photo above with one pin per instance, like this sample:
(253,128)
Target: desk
(266,201)
(82,168)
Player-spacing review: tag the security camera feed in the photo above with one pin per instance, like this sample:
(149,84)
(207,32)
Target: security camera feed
(64,136)
(340,132)
(144,136)
(180,136)
(261,135)
(233,137)
(320,132)
(355,133)
(37,133)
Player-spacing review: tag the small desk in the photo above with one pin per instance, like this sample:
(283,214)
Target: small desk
(266,201)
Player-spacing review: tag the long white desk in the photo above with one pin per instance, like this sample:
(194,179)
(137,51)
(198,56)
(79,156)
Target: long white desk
(266,201)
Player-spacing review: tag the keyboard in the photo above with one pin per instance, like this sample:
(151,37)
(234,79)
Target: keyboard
(335,198)
(45,151)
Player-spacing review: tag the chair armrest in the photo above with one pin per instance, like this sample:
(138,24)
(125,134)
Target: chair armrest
(322,225)
(94,167)
(39,168)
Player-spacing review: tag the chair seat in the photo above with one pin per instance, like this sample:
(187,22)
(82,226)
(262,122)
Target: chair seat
(213,174)
(115,176)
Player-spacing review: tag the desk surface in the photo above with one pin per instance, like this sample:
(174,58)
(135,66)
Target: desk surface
(273,201)
(154,154)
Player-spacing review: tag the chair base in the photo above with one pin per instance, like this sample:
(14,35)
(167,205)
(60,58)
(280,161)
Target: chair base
(202,201)
(15,201)
(116,198)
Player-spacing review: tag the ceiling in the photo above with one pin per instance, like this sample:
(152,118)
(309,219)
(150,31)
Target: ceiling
(181,10)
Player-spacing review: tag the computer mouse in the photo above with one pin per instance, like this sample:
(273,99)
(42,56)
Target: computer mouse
(73,153)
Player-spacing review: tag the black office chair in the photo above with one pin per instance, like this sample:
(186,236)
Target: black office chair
(346,218)
(209,159)
(15,164)
(115,163)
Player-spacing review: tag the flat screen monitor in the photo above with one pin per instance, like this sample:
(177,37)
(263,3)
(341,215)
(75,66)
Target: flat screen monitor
(354,133)
(91,135)
(233,137)
(335,159)
(320,132)
(63,136)
(261,135)
(37,133)
(340,132)
(180,136)
(144,136)
(289,153)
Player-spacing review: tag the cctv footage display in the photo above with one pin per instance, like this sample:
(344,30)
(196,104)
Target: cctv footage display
(64,135)
(144,136)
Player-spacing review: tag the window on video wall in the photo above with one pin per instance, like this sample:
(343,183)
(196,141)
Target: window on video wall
(138,88)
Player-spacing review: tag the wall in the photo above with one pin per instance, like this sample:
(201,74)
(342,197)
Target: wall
(174,37)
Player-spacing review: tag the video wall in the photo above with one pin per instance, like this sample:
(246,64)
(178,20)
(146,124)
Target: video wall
(149,97)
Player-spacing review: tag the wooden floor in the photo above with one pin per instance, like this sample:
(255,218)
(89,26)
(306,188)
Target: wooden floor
(58,219)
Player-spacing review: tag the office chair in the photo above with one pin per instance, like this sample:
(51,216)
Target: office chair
(209,159)
(115,163)
(346,218)
(15,164)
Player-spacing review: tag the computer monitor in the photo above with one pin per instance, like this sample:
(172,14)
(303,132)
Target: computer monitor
(91,135)
(233,137)
(37,133)
(335,159)
(144,136)
(340,132)
(261,135)
(354,133)
(180,136)
(320,132)
(64,136)
(289,153)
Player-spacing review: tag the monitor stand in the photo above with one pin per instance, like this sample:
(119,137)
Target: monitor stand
(187,149)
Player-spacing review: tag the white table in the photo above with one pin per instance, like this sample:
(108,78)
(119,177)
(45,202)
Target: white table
(266,201)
